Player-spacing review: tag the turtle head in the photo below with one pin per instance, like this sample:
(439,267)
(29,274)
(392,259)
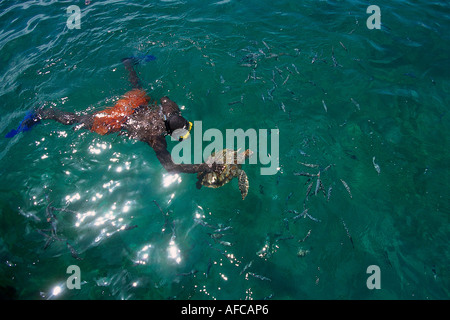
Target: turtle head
(248,153)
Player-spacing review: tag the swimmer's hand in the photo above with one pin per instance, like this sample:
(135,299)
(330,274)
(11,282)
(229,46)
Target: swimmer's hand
(215,167)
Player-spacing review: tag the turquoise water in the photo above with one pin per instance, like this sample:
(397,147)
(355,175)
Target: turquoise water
(386,95)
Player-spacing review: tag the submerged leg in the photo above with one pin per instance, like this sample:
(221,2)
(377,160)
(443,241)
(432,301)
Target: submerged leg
(132,75)
(67,118)
(34,117)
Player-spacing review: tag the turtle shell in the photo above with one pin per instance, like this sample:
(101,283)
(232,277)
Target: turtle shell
(230,169)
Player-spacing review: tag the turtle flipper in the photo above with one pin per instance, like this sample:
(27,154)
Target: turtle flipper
(243,183)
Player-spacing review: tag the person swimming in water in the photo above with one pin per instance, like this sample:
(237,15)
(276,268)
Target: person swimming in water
(135,115)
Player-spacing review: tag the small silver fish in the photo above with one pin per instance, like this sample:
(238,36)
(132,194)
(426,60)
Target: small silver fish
(283,107)
(309,189)
(208,268)
(248,265)
(50,239)
(223,229)
(215,236)
(287,78)
(347,187)
(308,164)
(258,276)
(295,68)
(329,193)
(225,243)
(376,166)
(317,186)
(186,274)
(298,216)
(324,106)
(433,269)
(355,103)
(322,188)
(269,92)
(335,63)
(305,174)
(48,242)
(348,233)
(43,234)
(311,217)
(265,44)
(307,235)
(284,238)
(289,196)
(49,212)
(73,252)
(130,227)
(343,46)
(303,153)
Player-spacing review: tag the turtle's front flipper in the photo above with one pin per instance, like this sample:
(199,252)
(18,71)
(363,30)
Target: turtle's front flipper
(243,183)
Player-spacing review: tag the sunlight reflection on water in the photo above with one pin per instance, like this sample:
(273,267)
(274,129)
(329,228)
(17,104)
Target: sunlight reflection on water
(169,179)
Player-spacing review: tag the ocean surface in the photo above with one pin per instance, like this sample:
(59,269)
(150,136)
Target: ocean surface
(367,108)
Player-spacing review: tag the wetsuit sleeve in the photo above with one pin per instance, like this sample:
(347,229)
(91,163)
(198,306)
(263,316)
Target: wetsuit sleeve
(160,147)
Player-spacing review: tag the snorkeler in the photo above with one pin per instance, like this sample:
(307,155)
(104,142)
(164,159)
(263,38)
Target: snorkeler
(134,115)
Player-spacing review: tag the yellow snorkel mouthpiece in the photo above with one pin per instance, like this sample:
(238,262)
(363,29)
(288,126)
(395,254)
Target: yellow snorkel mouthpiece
(187,134)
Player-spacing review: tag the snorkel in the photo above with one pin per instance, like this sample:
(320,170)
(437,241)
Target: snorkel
(177,127)
(187,134)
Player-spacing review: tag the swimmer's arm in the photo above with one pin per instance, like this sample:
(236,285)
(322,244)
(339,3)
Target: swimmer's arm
(160,147)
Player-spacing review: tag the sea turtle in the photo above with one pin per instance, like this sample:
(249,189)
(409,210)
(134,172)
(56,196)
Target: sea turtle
(231,161)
